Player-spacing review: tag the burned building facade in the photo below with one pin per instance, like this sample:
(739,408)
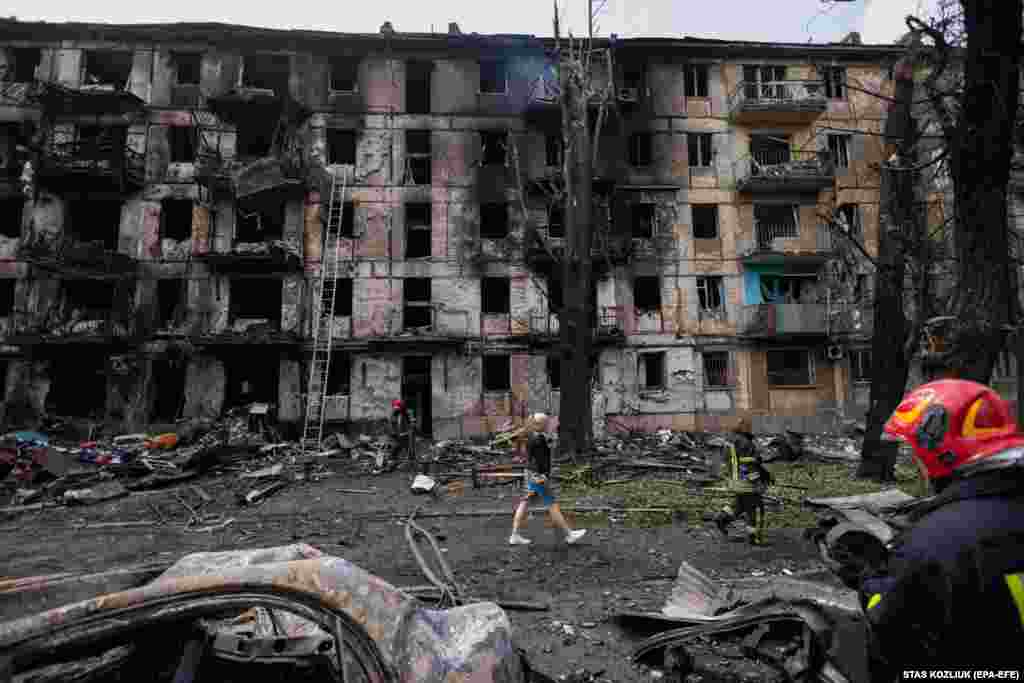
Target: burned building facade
(168,188)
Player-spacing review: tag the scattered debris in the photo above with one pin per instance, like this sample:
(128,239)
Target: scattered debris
(262,493)
(423,484)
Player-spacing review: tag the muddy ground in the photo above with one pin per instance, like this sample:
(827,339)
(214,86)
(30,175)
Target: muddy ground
(612,568)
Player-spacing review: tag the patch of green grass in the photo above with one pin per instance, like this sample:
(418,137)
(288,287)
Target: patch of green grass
(819,479)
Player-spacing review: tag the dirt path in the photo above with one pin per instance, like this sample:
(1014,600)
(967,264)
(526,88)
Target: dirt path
(611,568)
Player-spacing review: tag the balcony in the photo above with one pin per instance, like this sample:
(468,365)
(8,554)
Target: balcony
(785,242)
(92,166)
(784,170)
(81,325)
(797,102)
(783,320)
(85,259)
(852,320)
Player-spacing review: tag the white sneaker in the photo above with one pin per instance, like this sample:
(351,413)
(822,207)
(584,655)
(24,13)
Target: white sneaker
(516,539)
(575,536)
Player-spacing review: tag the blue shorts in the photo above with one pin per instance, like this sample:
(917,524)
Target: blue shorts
(540,488)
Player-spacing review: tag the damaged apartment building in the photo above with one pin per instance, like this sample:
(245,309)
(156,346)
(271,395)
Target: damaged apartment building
(169,190)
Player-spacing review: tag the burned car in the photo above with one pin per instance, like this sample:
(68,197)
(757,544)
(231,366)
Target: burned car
(289,613)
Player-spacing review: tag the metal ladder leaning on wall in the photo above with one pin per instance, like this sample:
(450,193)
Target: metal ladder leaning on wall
(324,292)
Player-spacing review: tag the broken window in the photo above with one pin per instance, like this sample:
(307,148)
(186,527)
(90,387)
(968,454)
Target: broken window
(643,215)
(651,370)
(554,364)
(348,220)
(849,220)
(169,297)
(860,365)
(182,141)
(267,72)
(7,296)
(252,138)
(705,221)
(839,149)
(790,367)
(341,146)
(339,374)
(107,67)
(716,368)
(12,212)
(91,299)
(418,156)
(493,146)
(26,59)
(495,295)
(176,219)
(418,220)
(256,299)
(835,83)
(344,74)
(1005,367)
(493,76)
(554,294)
(553,151)
(343,297)
(497,372)
(417,87)
(641,147)
(78,384)
(94,220)
(252,376)
(169,383)
(770,150)
(700,149)
(775,221)
(494,220)
(647,293)
(418,311)
(696,80)
(711,294)
(634,78)
(556,221)
(790,289)
(764,82)
(188,67)
(260,224)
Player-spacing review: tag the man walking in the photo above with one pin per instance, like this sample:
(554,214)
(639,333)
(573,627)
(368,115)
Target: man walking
(537,483)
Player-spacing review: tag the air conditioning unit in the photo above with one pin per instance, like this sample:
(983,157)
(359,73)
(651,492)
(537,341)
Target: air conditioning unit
(629,94)
(834,352)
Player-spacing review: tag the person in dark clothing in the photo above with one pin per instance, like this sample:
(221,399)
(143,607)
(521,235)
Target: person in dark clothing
(952,593)
(750,480)
(536,483)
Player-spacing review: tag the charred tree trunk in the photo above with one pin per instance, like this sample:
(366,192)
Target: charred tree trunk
(577,339)
(981,149)
(890,344)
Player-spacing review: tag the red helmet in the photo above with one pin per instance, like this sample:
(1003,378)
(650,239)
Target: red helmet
(950,422)
(397,404)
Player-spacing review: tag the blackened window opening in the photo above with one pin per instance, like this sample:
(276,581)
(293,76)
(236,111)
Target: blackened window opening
(417,87)
(339,374)
(696,80)
(267,72)
(705,221)
(652,370)
(710,296)
(417,230)
(418,310)
(647,293)
(182,141)
(94,221)
(554,371)
(260,224)
(169,297)
(342,298)
(418,156)
(494,220)
(169,386)
(344,74)
(26,60)
(555,294)
(341,146)
(107,67)
(643,215)
(252,377)
(789,367)
(556,221)
(493,76)
(634,77)
(495,296)
(699,149)
(188,67)
(7,296)
(497,372)
(553,151)
(641,147)
(716,368)
(176,219)
(256,299)
(254,137)
(12,211)
(90,299)
(494,145)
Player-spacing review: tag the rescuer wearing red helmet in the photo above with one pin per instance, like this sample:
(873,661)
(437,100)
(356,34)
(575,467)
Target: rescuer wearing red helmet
(952,595)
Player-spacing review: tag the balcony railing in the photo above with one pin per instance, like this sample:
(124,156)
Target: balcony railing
(80,325)
(102,160)
(797,97)
(771,320)
(784,170)
(90,258)
(786,237)
(852,319)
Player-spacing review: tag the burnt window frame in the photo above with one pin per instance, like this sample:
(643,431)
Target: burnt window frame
(494,147)
(263,82)
(500,68)
(8,294)
(417,305)
(351,67)
(554,150)
(700,147)
(489,215)
(422,67)
(838,145)
(633,76)
(71,228)
(181,59)
(259,215)
(93,53)
(643,360)
(165,214)
(641,149)
(716,377)
(697,80)
(710,287)
(835,78)
(419,226)
(419,156)
(556,221)
(810,368)
(553,366)
(12,228)
(850,220)
(792,218)
(17,75)
(647,294)
(496,290)
(712,211)
(238,303)
(333,138)
(496,366)
(860,365)
(339,374)
(643,214)
(182,144)
(344,294)
(169,315)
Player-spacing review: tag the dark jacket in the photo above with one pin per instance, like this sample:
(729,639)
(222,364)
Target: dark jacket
(952,595)
(538,454)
